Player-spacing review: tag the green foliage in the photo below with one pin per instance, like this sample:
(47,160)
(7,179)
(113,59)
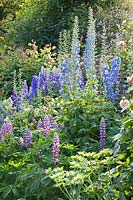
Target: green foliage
(8,10)
(28,60)
(88,177)
(44,20)
(22,171)
(81,116)
(123,151)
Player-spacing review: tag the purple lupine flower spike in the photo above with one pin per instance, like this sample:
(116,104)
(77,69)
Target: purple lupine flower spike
(1,137)
(54,125)
(46,125)
(39,125)
(5,129)
(25,91)
(27,139)
(7,126)
(55,148)
(102,134)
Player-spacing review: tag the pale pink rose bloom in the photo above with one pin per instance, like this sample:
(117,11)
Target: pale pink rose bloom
(124,103)
(122,44)
(130,79)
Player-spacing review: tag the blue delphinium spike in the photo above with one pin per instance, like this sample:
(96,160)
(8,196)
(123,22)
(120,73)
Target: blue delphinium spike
(55,83)
(16,101)
(43,80)
(33,88)
(111,80)
(14,98)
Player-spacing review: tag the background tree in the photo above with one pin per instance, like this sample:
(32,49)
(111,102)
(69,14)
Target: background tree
(8,11)
(43,20)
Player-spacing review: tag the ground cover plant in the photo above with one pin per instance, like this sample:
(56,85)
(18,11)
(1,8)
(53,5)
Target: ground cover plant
(66,131)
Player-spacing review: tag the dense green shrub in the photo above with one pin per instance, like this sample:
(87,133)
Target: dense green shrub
(44,20)
(81,116)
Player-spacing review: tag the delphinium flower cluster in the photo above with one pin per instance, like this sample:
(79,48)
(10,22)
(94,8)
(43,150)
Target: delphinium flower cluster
(18,96)
(43,81)
(55,148)
(47,83)
(16,101)
(6,128)
(34,87)
(75,71)
(89,53)
(102,134)
(71,74)
(55,86)
(110,80)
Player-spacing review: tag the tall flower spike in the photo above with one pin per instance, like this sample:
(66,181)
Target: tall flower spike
(55,84)
(25,91)
(19,103)
(7,127)
(111,80)
(27,139)
(55,148)
(74,65)
(102,134)
(39,125)
(46,125)
(89,53)
(14,98)
(43,80)
(34,87)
